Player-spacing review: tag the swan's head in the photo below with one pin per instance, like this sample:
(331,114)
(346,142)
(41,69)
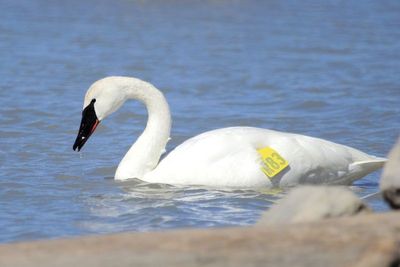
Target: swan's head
(103,98)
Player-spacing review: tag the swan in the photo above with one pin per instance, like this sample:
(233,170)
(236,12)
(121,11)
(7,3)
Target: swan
(226,157)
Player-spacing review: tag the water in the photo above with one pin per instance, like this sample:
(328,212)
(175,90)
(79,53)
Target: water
(327,69)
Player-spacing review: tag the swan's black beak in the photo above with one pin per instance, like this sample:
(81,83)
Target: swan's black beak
(89,123)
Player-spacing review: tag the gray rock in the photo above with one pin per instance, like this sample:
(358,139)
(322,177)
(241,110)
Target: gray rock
(390,180)
(312,203)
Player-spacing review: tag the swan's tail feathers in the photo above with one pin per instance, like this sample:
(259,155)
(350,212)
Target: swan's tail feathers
(366,166)
(361,168)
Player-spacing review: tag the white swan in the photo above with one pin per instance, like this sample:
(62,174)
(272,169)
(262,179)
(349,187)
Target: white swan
(232,157)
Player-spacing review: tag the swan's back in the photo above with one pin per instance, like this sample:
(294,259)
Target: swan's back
(230,157)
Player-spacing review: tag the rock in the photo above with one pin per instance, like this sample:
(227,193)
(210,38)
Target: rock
(312,203)
(390,180)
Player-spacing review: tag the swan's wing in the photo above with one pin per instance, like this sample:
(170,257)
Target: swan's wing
(221,157)
(317,161)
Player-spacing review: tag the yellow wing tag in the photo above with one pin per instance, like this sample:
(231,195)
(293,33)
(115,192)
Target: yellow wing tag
(273,163)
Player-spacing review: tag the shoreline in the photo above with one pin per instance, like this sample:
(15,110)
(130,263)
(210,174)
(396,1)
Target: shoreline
(361,240)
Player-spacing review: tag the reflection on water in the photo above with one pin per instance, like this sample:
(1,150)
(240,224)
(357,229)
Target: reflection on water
(323,69)
(158,206)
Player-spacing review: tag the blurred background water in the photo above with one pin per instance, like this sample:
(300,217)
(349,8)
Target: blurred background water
(329,69)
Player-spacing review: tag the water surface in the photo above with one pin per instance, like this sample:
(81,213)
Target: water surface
(328,69)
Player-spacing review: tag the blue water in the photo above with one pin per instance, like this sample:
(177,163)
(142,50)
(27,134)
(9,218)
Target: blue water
(329,69)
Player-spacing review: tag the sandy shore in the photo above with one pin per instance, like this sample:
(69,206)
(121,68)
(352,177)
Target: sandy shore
(363,240)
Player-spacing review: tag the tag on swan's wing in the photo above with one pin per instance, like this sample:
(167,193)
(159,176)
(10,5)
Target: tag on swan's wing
(272,162)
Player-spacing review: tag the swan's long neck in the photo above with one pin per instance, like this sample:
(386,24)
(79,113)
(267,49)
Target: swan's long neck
(145,153)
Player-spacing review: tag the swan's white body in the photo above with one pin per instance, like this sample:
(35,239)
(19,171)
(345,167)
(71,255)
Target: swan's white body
(225,157)
(229,157)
